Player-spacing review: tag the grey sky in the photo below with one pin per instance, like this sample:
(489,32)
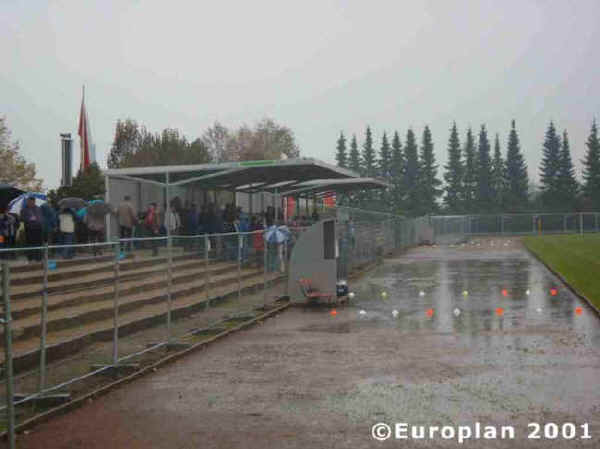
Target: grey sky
(316,66)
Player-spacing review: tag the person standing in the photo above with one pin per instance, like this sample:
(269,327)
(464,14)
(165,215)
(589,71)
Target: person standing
(152,224)
(31,215)
(127,218)
(66,220)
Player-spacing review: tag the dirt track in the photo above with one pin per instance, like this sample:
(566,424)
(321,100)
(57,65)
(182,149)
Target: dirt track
(307,378)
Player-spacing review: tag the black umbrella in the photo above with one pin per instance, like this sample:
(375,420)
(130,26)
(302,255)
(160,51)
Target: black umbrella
(71,203)
(7,194)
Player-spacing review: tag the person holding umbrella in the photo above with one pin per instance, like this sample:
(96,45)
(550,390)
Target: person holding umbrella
(31,215)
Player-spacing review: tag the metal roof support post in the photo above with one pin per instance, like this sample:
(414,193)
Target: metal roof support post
(107,199)
(276,201)
(169,259)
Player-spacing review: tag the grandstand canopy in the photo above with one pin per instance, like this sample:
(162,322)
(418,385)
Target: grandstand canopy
(286,177)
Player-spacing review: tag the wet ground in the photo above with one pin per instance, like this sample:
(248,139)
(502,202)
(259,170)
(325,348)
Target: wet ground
(442,336)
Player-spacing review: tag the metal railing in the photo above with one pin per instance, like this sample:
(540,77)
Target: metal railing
(73,312)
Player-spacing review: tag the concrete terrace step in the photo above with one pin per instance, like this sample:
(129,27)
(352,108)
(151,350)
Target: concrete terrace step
(32,305)
(101,275)
(66,342)
(78,315)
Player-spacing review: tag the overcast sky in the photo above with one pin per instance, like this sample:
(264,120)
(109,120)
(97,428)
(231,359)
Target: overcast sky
(318,67)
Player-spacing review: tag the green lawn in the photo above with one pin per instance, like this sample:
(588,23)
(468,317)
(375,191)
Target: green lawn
(575,257)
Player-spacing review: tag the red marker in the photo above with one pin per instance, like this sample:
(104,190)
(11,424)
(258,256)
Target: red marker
(578,310)
(504,292)
(553,291)
(499,311)
(333,312)
(429,312)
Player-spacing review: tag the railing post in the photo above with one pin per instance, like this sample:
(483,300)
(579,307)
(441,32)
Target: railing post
(116,272)
(206,275)
(169,283)
(239,265)
(8,361)
(43,323)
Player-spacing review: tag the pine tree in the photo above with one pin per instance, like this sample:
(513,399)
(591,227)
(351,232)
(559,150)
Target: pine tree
(591,171)
(369,168)
(429,184)
(397,179)
(517,180)
(354,157)
(368,162)
(549,170)
(484,173)
(411,174)
(354,198)
(498,177)
(567,184)
(341,156)
(453,173)
(384,171)
(470,174)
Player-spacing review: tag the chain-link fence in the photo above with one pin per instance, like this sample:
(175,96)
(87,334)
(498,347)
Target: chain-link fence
(456,228)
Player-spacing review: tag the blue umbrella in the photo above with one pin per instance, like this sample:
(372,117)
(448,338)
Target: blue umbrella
(277,234)
(15,206)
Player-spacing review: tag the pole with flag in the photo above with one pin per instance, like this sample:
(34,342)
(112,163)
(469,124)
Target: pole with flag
(85,136)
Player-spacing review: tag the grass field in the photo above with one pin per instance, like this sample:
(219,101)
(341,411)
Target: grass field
(575,257)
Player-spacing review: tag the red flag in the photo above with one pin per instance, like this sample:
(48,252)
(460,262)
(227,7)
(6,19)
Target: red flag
(84,136)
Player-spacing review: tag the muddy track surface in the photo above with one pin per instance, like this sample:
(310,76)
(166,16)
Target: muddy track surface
(309,378)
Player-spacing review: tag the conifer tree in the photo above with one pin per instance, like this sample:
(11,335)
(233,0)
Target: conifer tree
(591,171)
(498,177)
(470,174)
(549,170)
(567,184)
(397,181)
(517,180)
(429,184)
(369,168)
(354,157)
(411,174)
(368,162)
(354,198)
(484,195)
(384,171)
(453,173)
(341,155)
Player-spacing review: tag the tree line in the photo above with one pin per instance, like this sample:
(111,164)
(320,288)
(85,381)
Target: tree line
(478,177)
(135,146)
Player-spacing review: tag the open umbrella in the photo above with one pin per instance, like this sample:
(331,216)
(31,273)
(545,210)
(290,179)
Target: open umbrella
(71,203)
(277,234)
(16,205)
(7,194)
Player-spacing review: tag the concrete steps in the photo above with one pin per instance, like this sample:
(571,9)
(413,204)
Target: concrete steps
(81,299)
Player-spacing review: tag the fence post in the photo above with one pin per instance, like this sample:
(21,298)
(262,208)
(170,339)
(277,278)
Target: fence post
(239,267)
(116,272)
(43,323)
(169,283)
(206,275)
(8,362)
